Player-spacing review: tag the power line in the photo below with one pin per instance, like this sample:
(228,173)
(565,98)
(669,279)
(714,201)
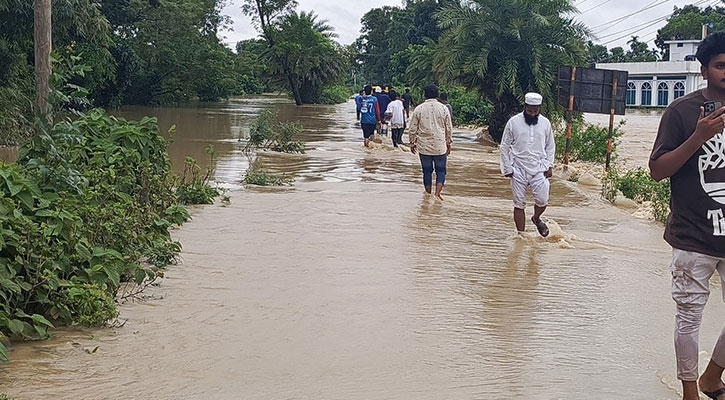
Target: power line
(630,33)
(597,6)
(662,18)
(632,30)
(615,21)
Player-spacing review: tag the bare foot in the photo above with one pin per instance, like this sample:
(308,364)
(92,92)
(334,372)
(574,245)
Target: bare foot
(438,195)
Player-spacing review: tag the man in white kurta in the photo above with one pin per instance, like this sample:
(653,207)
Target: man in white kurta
(527,158)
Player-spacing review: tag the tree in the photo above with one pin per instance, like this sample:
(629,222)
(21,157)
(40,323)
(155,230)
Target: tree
(252,70)
(265,15)
(305,55)
(617,55)
(505,48)
(167,52)
(596,54)
(77,25)
(388,33)
(686,23)
(639,51)
(374,44)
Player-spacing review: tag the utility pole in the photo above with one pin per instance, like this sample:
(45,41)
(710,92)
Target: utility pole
(43,44)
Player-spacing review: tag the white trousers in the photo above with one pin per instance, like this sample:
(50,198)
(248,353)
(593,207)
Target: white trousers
(522,181)
(691,273)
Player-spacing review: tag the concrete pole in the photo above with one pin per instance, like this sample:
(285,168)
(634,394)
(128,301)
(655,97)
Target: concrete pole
(43,45)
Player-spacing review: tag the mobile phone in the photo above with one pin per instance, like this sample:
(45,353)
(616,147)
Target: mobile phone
(711,106)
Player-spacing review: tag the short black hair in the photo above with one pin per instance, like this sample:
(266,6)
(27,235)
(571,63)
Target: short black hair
(368,89)
(710,47)
(444,96)
(430,91)
(407,89)
(393,95)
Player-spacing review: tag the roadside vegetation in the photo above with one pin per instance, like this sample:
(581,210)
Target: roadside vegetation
(86,210)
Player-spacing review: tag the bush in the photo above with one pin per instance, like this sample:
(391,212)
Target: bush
(87,202)
(639,186)
(335,94)
(469,108)
(267,132)
(193,187)
(262,177)
(588,141)
(88,305)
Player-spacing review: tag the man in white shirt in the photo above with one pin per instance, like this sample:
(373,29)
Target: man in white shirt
(397,119)
(527,158)
(430,135)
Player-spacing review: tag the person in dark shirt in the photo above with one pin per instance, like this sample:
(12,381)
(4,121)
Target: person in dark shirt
(358,102)
(690,150)
(444,99)
(383,101)
(407,102)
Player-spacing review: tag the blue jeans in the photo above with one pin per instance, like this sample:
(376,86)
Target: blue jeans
(429,163)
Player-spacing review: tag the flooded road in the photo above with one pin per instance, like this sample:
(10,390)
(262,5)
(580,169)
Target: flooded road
(352,284)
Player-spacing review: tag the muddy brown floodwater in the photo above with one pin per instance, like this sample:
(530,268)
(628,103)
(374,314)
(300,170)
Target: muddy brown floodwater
(354,285)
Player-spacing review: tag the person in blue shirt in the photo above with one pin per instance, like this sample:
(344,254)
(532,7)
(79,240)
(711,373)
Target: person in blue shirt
(358,100)
(369,110)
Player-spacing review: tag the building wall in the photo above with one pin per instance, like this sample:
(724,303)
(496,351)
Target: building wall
(686,49)
(669,74)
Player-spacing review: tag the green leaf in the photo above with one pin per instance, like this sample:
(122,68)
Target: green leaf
(41,331)
(113,275)
(83,251)
(10,285)
(40,320)
(44,213)
(13,187)
(16,327)
(140,276)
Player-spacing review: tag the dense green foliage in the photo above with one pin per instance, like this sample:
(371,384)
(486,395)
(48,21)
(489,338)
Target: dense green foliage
(193,186)
(137,52)
(259,176)
(300,54)
(588,141)
(269,133)
(686,23)
(639,186)
(469,107)
(498,50)
(88,205)
(335,94)
(503,49)
(392,36)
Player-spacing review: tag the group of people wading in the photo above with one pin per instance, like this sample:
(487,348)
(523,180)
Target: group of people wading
(527,147)
(689,149)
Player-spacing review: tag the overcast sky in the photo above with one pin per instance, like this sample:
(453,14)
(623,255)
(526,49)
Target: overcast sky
(600,15)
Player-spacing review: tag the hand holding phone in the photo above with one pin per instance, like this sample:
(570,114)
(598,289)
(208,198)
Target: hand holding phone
(711,121)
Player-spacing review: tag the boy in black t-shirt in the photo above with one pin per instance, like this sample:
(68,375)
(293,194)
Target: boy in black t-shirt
(690,150)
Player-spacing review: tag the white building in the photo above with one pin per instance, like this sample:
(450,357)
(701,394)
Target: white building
(658,83)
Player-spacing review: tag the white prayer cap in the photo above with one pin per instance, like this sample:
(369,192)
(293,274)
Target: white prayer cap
(378,89)
(534,99)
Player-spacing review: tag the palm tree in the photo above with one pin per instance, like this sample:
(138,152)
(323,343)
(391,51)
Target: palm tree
(305,56)
(505,48)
